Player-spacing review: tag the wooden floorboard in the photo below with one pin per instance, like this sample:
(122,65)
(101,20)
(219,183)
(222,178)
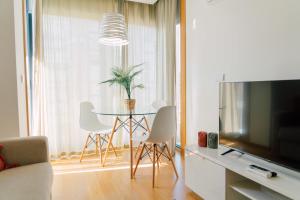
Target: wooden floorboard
(89,181)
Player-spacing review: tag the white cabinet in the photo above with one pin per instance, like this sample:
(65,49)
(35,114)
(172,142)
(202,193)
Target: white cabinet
(204,177)
(216,177)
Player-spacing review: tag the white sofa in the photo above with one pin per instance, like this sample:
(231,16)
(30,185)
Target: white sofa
(32,180)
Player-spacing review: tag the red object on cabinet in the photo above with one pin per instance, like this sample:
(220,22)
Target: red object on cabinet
(202,139)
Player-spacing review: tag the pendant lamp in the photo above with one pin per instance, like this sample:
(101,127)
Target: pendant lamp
(113,30)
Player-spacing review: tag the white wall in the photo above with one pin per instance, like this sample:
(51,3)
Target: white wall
(9,124)
(11,69)
(20,65)
(245,40)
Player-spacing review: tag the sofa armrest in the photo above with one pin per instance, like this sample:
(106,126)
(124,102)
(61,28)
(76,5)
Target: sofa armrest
(25,151)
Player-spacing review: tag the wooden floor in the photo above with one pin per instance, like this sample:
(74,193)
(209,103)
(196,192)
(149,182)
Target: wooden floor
(89,181)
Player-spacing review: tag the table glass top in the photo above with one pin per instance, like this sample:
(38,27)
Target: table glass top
(137,111)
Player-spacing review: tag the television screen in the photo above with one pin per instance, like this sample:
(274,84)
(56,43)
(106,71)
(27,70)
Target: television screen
(262,118)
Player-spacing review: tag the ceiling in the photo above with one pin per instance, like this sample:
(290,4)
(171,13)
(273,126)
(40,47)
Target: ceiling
(145,1)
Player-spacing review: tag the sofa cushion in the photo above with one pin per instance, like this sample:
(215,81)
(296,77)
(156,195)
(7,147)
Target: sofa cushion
(2,161)
(30,182)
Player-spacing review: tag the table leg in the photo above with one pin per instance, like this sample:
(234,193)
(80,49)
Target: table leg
(110,139)
(153,176)
(131,149)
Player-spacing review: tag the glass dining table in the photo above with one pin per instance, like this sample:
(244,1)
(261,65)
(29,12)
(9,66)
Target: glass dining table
(130,122)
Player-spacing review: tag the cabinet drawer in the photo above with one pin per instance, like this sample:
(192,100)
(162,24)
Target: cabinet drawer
(204,177)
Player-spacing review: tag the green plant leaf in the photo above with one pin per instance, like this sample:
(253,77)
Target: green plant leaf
(124,77)
(111,81)
(141,86)
(131,68)
(134,74)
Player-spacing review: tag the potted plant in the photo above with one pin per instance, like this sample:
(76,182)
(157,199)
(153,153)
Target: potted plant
(125,78)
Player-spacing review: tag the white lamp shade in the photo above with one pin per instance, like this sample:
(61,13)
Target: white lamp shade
(113,30)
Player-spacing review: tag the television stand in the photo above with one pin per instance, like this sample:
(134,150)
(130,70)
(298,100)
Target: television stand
(231,150)
(214,176)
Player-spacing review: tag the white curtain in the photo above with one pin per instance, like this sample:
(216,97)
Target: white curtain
(166,50)
(142,49)
(166,55)
(72,63)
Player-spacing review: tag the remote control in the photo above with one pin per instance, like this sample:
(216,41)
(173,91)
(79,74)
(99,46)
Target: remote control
(262,171)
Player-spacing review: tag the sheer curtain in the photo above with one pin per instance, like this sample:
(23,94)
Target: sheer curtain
(166,55)
(166,50)
(73,64)
(142,49)
(70,63)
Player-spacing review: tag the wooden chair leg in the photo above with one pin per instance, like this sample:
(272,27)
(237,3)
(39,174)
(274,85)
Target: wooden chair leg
(148,151)
(97,144)
(157,157)
(153,175)
(139,159)
(100,148)
(110,141)
(106,139)
(137,150)
(84,147)
(171,158)
(113,148)
(147,125)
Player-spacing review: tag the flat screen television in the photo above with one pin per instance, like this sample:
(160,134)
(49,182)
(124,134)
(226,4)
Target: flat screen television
(262,118)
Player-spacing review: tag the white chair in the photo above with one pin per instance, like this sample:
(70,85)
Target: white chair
(98,133)
(163,130)
(156,105)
